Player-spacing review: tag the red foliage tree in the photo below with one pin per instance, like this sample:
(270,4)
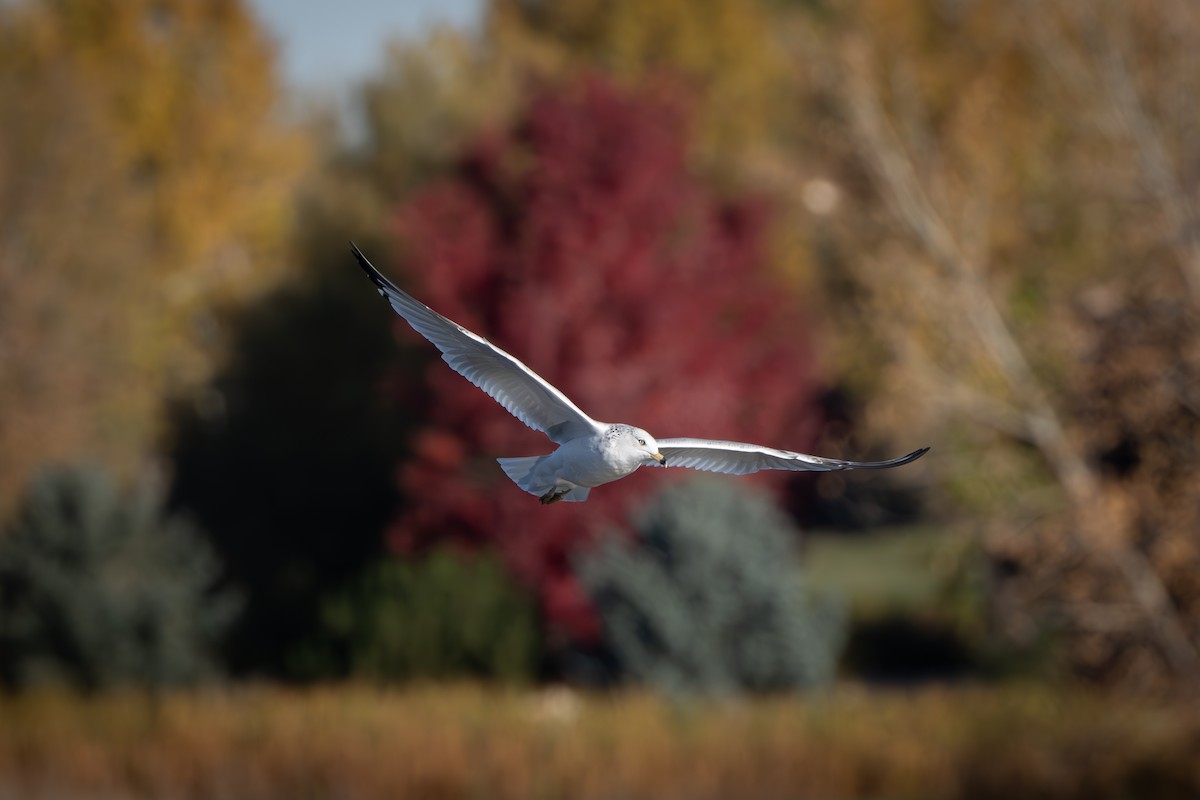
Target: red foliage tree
(579,242)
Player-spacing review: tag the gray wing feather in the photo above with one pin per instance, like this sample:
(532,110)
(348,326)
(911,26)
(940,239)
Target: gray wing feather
(521,391)
(739,458)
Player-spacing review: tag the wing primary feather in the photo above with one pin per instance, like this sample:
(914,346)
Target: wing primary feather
(839,464)
(521,391)
(739,458)
(377,277)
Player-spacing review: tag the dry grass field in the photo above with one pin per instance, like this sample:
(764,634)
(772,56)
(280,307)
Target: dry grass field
(451,742)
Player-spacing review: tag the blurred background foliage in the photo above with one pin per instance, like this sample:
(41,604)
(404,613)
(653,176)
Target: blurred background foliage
(146,181)
(848,227)
(844,227)
(101,588)
(443,615)
(691,608)
(286,454)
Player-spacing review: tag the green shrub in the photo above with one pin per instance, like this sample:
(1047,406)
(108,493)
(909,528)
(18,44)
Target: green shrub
(709,598)
(443,615)
(100,588)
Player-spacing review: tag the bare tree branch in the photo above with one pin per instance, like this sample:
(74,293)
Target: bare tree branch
(1102,72)
(1035,416)
(899,180)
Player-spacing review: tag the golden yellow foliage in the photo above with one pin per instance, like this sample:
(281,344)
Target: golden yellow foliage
(725,51)
(146,180)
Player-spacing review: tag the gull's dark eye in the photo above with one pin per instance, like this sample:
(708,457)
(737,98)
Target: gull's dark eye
(642,442)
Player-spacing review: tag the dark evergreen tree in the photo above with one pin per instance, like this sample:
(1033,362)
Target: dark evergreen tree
(710,597)
(101,588)
(286,461)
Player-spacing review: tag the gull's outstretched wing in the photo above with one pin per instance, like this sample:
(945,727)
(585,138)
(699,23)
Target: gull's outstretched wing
(738,458)
(513,385)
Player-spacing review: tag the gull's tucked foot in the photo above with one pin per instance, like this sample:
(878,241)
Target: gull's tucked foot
(553,496)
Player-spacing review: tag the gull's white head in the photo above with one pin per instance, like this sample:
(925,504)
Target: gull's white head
(646,446)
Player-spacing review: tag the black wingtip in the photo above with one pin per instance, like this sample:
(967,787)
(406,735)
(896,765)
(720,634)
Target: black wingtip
(895,462)
(361,259)
(377,278)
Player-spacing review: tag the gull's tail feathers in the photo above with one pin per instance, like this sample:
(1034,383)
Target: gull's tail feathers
(521,471)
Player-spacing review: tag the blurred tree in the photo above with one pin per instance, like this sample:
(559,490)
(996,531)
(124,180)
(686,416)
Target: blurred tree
(1131,72)
(1128,589)
(429,100)
(991,162)
(730,59)
(725,51)
(578,240)
(142,172)
(443,615)
(100,588)
(434,96)
(709,597)
(1136,393)
(286,457)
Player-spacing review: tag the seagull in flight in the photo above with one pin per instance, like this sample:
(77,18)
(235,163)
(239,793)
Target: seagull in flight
(589,453)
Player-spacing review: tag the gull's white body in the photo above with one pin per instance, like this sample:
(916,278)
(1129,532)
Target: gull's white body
(579,464)
(590,453)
